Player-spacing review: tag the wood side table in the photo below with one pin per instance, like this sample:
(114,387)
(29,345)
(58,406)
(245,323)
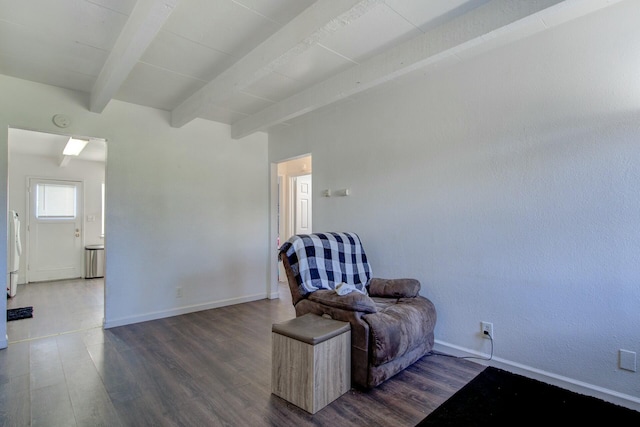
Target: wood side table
(311,361)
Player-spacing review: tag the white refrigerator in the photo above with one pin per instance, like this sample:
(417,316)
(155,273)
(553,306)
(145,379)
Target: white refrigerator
(15,250)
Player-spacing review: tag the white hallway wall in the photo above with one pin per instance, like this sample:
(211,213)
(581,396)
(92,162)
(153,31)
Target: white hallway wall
(22,167)
(186,207)
(509,184)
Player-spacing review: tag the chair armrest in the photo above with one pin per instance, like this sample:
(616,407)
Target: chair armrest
(394,288)
(354,301)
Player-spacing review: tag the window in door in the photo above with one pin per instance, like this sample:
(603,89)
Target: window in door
(55,201)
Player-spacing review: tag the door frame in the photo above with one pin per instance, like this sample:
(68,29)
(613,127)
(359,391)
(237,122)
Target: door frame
(4,165)
(274,194)
(291,208)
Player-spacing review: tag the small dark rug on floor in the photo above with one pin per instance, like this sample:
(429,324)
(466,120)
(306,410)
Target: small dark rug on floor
(496,398)
(19,313)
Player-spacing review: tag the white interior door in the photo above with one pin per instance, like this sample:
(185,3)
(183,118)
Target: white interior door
(303,205)
(54,230)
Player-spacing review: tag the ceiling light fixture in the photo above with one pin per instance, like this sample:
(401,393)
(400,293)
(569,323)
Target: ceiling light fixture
(74,147)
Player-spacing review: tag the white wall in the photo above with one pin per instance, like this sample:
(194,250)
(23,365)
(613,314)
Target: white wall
(4,155)
(509,185)
(186,207)
(23,166)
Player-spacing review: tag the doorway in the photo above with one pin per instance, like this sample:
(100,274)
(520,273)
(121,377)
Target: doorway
(59,199)
(294,210)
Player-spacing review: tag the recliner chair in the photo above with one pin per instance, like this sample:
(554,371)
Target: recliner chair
(391,324)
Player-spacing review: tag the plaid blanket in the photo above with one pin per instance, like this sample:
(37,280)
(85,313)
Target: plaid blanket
(323,260)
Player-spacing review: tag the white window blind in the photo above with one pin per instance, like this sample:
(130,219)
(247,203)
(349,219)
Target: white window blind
(56,201)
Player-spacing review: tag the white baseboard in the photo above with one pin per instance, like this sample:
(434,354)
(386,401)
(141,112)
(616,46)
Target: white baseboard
(112,323)
(567,383)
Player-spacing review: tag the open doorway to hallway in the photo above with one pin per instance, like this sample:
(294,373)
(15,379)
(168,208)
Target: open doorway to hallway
(59,200)
(294,201)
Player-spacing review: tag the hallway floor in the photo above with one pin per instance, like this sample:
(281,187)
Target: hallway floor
(59,307)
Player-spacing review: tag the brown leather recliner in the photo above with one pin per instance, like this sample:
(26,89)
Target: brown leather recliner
(391,324)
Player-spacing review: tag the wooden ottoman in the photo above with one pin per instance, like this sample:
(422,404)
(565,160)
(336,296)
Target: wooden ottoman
(311,361)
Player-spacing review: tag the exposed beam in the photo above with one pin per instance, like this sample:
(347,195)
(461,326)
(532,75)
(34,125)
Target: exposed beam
(144,23)
(494,23)
(64,161)
(305,30)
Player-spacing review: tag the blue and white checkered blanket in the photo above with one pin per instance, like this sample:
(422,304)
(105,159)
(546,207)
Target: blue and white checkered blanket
(323,260)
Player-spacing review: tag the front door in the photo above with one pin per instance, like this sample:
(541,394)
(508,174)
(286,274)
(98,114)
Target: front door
(54,230)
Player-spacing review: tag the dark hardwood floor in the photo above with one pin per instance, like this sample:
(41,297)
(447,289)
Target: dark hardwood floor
(210,368)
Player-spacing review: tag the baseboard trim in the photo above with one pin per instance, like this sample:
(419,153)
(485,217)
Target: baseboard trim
(122,321)
(567,383)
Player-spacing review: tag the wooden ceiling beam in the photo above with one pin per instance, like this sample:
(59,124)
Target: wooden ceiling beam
(495,23)
(144,23)
(305,30)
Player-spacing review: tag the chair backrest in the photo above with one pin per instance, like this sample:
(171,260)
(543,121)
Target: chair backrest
(322,260)
(291,279)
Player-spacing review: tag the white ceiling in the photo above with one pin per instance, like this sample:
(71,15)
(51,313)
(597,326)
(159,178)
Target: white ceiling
(252,64)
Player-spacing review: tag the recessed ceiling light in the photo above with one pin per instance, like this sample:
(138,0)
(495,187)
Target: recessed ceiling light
(74,147)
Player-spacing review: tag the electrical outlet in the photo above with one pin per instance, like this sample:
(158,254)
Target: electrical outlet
(178,292)
(486,329)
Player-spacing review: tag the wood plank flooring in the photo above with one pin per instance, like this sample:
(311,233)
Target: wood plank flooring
(59,307)
(211,368)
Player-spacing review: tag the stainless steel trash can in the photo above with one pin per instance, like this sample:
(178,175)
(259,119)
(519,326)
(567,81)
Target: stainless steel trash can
(93,261)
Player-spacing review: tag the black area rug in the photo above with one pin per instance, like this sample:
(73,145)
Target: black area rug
(19,313)
(500,398)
